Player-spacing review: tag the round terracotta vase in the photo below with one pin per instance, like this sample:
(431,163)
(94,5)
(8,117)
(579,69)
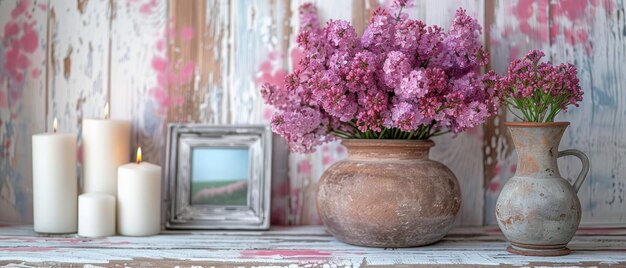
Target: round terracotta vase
(387,193)
(538,210)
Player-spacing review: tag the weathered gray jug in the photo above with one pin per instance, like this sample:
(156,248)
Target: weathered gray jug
(538,211)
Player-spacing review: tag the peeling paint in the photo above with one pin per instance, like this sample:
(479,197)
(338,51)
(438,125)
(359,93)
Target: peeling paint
(238,39)
(295,254)
(67,63)
(81,5)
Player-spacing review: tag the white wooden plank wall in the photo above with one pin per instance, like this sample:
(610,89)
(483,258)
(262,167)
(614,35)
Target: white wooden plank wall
(205,66)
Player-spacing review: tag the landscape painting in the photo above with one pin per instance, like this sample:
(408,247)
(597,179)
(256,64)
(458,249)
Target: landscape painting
(219,176)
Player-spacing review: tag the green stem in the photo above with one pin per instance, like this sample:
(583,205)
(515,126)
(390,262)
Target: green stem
(440,133)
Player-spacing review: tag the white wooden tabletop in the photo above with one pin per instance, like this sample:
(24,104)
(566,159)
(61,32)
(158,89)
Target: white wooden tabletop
(304,246)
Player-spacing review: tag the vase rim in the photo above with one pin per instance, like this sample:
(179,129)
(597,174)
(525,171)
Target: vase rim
(537,124)
(387,143)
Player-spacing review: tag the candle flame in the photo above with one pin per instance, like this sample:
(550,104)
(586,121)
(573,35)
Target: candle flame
(139,155)
(106,111)
(55,124)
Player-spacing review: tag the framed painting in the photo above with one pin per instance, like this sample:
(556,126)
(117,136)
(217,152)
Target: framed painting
(217,177)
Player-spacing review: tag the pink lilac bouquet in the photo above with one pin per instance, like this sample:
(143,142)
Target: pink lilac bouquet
(539,91)
(401,79)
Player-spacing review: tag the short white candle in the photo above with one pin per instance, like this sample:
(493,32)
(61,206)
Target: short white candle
(139,198)
(106,146)
(96,215)
(55,184)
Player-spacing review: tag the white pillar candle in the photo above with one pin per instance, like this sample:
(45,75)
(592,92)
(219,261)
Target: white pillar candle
(55,184)
(96,215)
(139,198)
(106,146)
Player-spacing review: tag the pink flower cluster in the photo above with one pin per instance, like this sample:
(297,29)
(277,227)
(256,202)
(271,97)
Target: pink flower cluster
(540,90)
(401,75)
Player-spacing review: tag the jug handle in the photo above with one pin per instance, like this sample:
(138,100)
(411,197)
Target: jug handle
(585,161)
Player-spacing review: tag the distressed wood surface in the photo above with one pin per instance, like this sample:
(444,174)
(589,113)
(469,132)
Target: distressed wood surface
(23,92)
(301,246)
(137,43)
(202,61)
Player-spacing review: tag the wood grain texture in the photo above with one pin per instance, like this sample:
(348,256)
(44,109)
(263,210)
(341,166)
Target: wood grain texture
(137,42)
(282,247)
(23,86)
(158,62)
(216,56)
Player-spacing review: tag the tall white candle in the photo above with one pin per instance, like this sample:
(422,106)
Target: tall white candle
(55,184)
(139,198)
(106,146)
(96,215)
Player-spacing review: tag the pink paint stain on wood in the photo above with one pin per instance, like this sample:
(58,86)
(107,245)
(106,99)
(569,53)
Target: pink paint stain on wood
(147,7)
(267,114)
(36,72)
(304,167)
(524,9)
(542,14)
(569,18)
(165,76)
(268,75)
(494,186)
(282,190)
(497,169)
(572,9)
(21,7)
(269,72)
(292,254)
(327,160)
(11,29)
(514,51)
(159,64)
(186,72)
(170,32)
(29,41)
(16,62)
(187,33)
(18,47)
(160,45)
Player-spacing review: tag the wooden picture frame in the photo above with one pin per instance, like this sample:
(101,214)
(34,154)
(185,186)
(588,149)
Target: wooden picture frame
(205,155)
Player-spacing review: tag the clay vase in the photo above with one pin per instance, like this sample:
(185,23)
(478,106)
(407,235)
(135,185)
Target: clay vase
(538,211)
(387,193)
